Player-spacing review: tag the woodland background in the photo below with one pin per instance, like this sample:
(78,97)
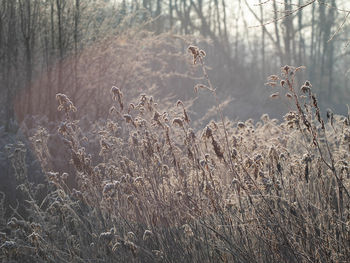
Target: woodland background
(82,48)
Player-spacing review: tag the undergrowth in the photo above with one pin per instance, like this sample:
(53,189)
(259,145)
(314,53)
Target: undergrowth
(160,191)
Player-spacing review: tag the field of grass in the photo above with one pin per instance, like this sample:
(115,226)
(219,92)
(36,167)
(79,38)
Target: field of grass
(157,189)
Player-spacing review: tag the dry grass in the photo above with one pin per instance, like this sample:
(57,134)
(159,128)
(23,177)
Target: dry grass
(157,191)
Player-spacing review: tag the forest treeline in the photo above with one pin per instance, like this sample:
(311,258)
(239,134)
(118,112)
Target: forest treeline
(82,48)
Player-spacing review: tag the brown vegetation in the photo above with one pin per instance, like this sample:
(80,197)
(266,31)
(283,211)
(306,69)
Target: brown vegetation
(157,190)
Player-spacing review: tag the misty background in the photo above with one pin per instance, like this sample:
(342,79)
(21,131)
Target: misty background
(83,48)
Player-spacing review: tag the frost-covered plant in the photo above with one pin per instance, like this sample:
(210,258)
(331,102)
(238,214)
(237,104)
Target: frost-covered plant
(160,190)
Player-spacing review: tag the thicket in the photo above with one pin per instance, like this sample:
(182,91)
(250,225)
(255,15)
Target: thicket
(152,188)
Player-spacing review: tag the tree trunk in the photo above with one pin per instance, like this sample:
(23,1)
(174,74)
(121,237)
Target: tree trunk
(11,55)
(60,44)
(277,34)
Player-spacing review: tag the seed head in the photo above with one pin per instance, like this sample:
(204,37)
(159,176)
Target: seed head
(156,116)
(178,121)
(117,95)
(208,132)
(147,234)
(65,104)
(131,236)
(196,53)
(307,83)
(179,102)
(128,119)
(286,69)
(241,125)
(289,96)
(305,89)
(274,95)
(217,148)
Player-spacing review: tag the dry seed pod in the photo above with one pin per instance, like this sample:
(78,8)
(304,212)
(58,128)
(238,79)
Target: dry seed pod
(127,118)
(285,69)
(194,50)
(179,102)
(147,234)
(305,89)
(115,246)
(65,103)
(106,236)
(307,83)
(274,95)
(116,92)
(217,148)
(208,132)
(178,121)
(195,53)
(289,96)
(241,125)
(131,236)
(156,116)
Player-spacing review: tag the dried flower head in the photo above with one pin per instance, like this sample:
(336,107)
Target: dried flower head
(147,234)
(285,69)
(217,149)
(274,95)
(117,95)
(65,104)
(128,119)
(178,121)
(208,132)
(307,83)
(305,89)
(241,125)
(196,53)
(156,116)
(289,96)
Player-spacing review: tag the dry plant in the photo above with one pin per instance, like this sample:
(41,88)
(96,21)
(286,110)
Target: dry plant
(159,191)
